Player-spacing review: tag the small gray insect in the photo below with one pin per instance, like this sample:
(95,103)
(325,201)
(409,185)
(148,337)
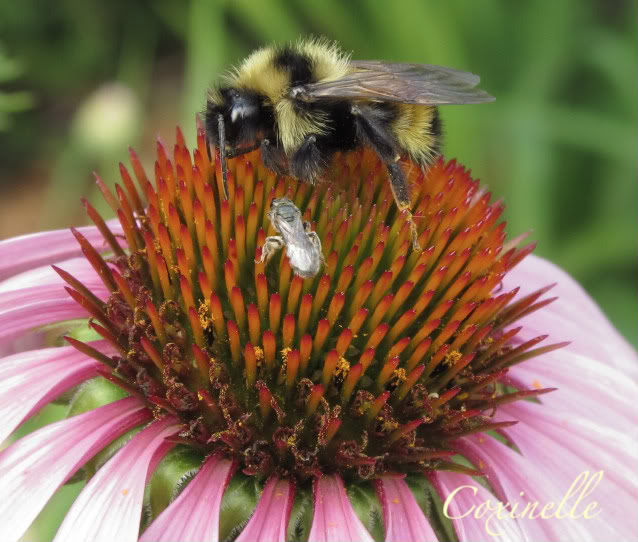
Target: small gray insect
(303,246)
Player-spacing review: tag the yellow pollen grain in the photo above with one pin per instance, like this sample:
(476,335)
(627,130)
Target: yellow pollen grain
(396,501)
(157,246)
(343,367)
(389,425)
(125,492)
(204,314)
(259,355)
(399,374)
(452,357)
(536,384)
(489,340)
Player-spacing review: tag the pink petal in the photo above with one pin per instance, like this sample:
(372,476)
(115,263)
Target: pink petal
(30,380)
(580,380)
(26,309)
(35,249)
(462,496)
(194,515)
(615,493)
(334,519)
(269,523)
(520,474)
(599,442)
(574,316)
(34,467)
(110,506)
(403,519)
(80,268)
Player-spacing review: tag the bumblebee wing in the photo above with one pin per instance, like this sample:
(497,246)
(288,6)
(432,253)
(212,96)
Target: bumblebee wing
(421,84)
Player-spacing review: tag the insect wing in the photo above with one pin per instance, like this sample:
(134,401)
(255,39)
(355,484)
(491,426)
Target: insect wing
(421,84)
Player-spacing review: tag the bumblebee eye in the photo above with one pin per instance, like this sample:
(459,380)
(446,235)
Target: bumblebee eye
(242,106)
(243,110)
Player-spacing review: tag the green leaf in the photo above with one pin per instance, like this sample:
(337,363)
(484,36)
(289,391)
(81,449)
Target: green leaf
(301,515)
(432,506)
(367,507)
(238,504)
(170,478)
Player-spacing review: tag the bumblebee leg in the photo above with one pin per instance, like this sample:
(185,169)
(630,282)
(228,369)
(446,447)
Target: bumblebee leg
(399,187)
(272,245)
(234,153)
(273,157)
(373,129)
(308,161)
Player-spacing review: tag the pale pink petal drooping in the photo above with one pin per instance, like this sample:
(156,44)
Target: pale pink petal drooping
(473,510)
(110,506)
(403,520)
(269,522)
(29,380)
(334,519)
(194,515)
(34,467)
(32,250)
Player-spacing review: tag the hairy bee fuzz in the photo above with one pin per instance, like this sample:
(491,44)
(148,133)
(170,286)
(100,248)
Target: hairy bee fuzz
(303,102)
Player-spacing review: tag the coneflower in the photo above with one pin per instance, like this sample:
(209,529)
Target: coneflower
(224,398)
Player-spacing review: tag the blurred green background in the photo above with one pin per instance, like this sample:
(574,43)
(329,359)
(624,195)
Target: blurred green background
(81,80)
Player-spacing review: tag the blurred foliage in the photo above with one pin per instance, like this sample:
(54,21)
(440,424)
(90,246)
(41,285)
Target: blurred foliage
(84,79)
(11,101)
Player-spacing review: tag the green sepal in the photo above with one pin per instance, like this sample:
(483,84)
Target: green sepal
(93,394)
(364,501)
(53,334)
(83,332)
(432,506)
(301,515)
(172,475)
(238,504)
(66,397)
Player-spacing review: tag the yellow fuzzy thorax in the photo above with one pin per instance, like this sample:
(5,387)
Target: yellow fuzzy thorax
(260,74)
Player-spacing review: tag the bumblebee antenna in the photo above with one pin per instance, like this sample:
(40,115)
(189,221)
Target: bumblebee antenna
(222,152)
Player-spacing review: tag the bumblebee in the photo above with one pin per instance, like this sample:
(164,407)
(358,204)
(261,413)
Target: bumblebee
(302,102)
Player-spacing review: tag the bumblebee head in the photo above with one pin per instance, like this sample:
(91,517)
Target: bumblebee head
(242,116)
